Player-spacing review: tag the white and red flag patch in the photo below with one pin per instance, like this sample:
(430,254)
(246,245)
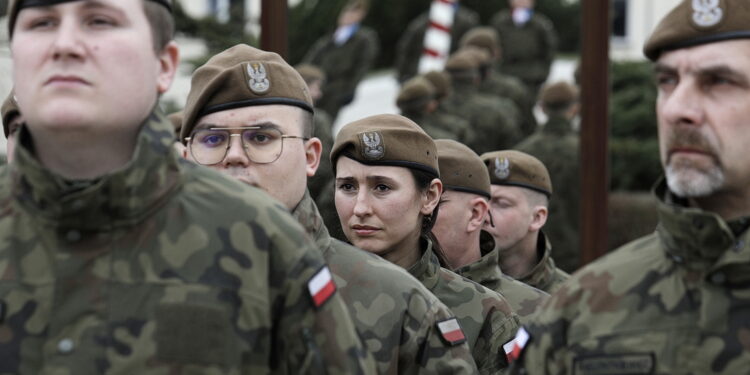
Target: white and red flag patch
(514,347)
(451,331)
(321,286)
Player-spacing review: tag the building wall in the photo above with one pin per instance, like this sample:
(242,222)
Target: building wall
(642,17)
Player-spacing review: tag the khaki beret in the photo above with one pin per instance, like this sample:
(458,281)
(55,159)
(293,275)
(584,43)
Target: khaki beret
(441,81)
(461,169)
(482,37)
(481,56)
(461,60)
(9,111)
(310,72)
(558,94)
(389,140)
(692,23)
(417,89)
(243,76)
(176,119)
(16,6)
(515,168)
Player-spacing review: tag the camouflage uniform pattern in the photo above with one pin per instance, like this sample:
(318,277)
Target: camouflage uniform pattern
(674,302)
(484,316)
(393,312)
(512,88)
(523,299)
(410,46)
(344,66)
(131,273)
(545,275)
(528,51)
(557,146)
(494,120)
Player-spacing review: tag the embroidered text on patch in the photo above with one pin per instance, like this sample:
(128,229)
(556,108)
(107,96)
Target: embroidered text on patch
(321,287)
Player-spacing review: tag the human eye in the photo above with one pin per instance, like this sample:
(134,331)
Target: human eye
(346,187)
(382,188)
(100,21)
(211,139)
(260,137)
(41,23)
(665,80)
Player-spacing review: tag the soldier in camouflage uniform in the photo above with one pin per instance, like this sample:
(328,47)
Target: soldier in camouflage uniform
(494,120)
(521,191)
(410,46)
(417,102)
(386,175)
(345,56)
(676,301)
(529,43)
(441,82)
(322,128)
(497,83)
(395,315)
(118,258)
(556,144)
(12,121)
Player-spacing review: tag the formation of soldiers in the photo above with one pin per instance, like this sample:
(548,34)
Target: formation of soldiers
(136,243)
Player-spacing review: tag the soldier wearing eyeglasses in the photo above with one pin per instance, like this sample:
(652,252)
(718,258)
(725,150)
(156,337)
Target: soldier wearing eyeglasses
(249,115)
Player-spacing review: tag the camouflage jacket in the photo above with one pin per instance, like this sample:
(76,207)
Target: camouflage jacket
(556,145)
(161,267)
(411,44)
(524,299)
(432,125)
(528,50)
(545,275)
(323,130)
(674,302)
(485,316)
(395,314)
(494,120)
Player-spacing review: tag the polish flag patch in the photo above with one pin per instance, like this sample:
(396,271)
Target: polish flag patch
(514,347)
(451,331)
(321,286)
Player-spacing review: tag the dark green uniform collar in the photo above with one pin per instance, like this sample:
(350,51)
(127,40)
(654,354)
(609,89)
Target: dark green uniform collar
(122,197)
(426,268)
(487,268)
(542,276)
(699,239)
(307,214)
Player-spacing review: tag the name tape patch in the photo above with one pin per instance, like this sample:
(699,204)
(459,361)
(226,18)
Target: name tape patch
(451,332)
(615,364)
(514,347)
(321,287)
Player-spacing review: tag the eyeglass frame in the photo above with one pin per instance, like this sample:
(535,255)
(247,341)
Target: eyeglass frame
(189,141)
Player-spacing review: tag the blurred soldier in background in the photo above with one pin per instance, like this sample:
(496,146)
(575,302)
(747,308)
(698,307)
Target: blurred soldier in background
(528,41)
(411,45)
(344,56)
(556,144)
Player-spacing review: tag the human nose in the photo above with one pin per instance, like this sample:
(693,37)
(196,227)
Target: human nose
(236,154)
(68,43)
(362,205)
(683,106)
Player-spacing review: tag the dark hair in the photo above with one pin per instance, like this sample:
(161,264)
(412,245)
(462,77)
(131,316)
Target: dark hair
(423,179)
(162,24)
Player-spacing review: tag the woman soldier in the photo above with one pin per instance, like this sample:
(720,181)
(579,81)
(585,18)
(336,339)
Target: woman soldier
(387,193)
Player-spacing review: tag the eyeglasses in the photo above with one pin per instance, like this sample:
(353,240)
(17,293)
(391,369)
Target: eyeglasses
(262,145)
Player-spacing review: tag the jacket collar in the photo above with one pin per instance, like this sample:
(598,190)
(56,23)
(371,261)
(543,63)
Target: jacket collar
(542,275)
(427,267)
(307,214)
(487,268)
(122,197)
(557,125)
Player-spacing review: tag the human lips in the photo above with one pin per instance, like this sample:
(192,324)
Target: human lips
(364,230)
(66,80)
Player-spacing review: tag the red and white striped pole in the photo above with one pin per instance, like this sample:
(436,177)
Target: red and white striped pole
(437,38)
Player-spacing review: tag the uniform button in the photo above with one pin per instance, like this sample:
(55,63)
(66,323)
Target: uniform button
(65,346)
(719,278)
(73,236)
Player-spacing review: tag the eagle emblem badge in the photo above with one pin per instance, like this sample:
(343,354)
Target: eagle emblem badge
(502,168)
(258,81)
(373,147)
(707,13)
